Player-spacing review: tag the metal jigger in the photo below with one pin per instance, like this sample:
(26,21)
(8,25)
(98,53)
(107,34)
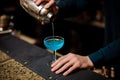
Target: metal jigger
(38,12)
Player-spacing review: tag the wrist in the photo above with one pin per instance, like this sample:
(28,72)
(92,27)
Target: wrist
(90,63)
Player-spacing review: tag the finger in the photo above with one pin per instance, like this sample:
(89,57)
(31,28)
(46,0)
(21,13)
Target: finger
(49,4)
(59,64)
(71,69)
(57,61)
(65,67)
(55,10)
(37,2)
(61,58)
(34,0)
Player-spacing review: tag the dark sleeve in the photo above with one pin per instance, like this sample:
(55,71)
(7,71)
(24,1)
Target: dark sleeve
(67,7)
(106,54)
(62,4)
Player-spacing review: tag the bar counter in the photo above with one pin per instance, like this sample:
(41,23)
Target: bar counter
(20,60)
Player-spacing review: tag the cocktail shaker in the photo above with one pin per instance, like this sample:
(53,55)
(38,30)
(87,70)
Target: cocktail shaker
(38,12)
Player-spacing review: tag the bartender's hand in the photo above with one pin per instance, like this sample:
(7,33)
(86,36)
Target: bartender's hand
(68,63)
(49,4)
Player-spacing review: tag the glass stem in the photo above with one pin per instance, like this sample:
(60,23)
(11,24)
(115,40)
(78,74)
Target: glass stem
(55,55)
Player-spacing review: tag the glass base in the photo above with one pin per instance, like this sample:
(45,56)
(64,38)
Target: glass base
(50,63)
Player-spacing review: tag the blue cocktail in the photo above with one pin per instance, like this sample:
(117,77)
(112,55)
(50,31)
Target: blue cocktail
(54,43)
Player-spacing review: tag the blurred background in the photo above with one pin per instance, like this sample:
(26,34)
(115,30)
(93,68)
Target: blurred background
(83,31)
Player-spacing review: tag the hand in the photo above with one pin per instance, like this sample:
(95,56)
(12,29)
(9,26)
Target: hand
(49,4)
(70,62)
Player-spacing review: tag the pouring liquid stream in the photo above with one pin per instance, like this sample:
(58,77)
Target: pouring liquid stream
(53,33)
(53,29)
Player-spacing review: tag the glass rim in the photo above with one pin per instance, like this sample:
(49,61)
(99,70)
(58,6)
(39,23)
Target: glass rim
(53,37)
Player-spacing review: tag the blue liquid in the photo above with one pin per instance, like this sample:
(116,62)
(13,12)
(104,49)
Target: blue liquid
(54,43)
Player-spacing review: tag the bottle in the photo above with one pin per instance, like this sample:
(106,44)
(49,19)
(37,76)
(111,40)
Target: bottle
(38,12)
(112,73)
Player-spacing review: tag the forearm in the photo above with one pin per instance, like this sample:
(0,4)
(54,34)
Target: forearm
(62,4)
(67,7)
(107,53)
